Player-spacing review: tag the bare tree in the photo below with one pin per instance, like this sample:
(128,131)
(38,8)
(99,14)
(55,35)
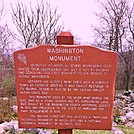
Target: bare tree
(115,32)
(5,36)
(6,44)
(1,9)
(128,55)
(39,25)
(112,18)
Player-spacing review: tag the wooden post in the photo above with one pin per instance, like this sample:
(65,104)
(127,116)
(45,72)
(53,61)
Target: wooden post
(65,38)
(64,131)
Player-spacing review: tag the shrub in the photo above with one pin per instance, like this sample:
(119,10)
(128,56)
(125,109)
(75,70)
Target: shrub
(8,87)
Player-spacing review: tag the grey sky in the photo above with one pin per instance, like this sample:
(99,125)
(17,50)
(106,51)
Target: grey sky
(78,15)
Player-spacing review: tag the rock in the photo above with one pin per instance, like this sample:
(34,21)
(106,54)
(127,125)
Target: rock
(130,109)
(123,97)
(124,108)
(14,122)
(123,119)
(114,124)
(2,131)
(44,132)
(118,96)
(12,127)
(128,96)
(16,128)
(31,130)
(5,98)
(117,103)
(117,131)
(130,124)
(7,126)
(132,97)
(127,93)
(15,108)
(130,116)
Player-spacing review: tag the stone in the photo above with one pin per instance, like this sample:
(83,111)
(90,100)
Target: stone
(125,105)
(45,132)
(116,131)
(2,131)
(15,125)
(123,119)
(114,124)
(132,97)
(123,97)
(130,124)
(130,115)
(7,126)
(15,108)
(127,93)
(117,103)
(12,127)
(5,98)
(31,130)
(130,109)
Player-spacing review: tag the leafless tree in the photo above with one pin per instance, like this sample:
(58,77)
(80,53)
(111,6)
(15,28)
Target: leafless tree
(77,40)
(6,44)
(37,25)
(1,9)
(116,32)
(5,35)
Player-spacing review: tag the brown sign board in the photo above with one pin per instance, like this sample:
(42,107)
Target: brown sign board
(65,87)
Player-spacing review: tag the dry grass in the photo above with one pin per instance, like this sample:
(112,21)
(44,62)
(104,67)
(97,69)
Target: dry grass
(92,132)
(6,105)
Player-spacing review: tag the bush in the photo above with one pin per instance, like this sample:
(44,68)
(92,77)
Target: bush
(7,91)
(6,112)
(8,88)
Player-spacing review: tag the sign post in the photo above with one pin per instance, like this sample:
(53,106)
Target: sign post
(65,38)
(65,86)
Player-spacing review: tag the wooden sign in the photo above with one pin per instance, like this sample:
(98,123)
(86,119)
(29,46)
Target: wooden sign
(65,87)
